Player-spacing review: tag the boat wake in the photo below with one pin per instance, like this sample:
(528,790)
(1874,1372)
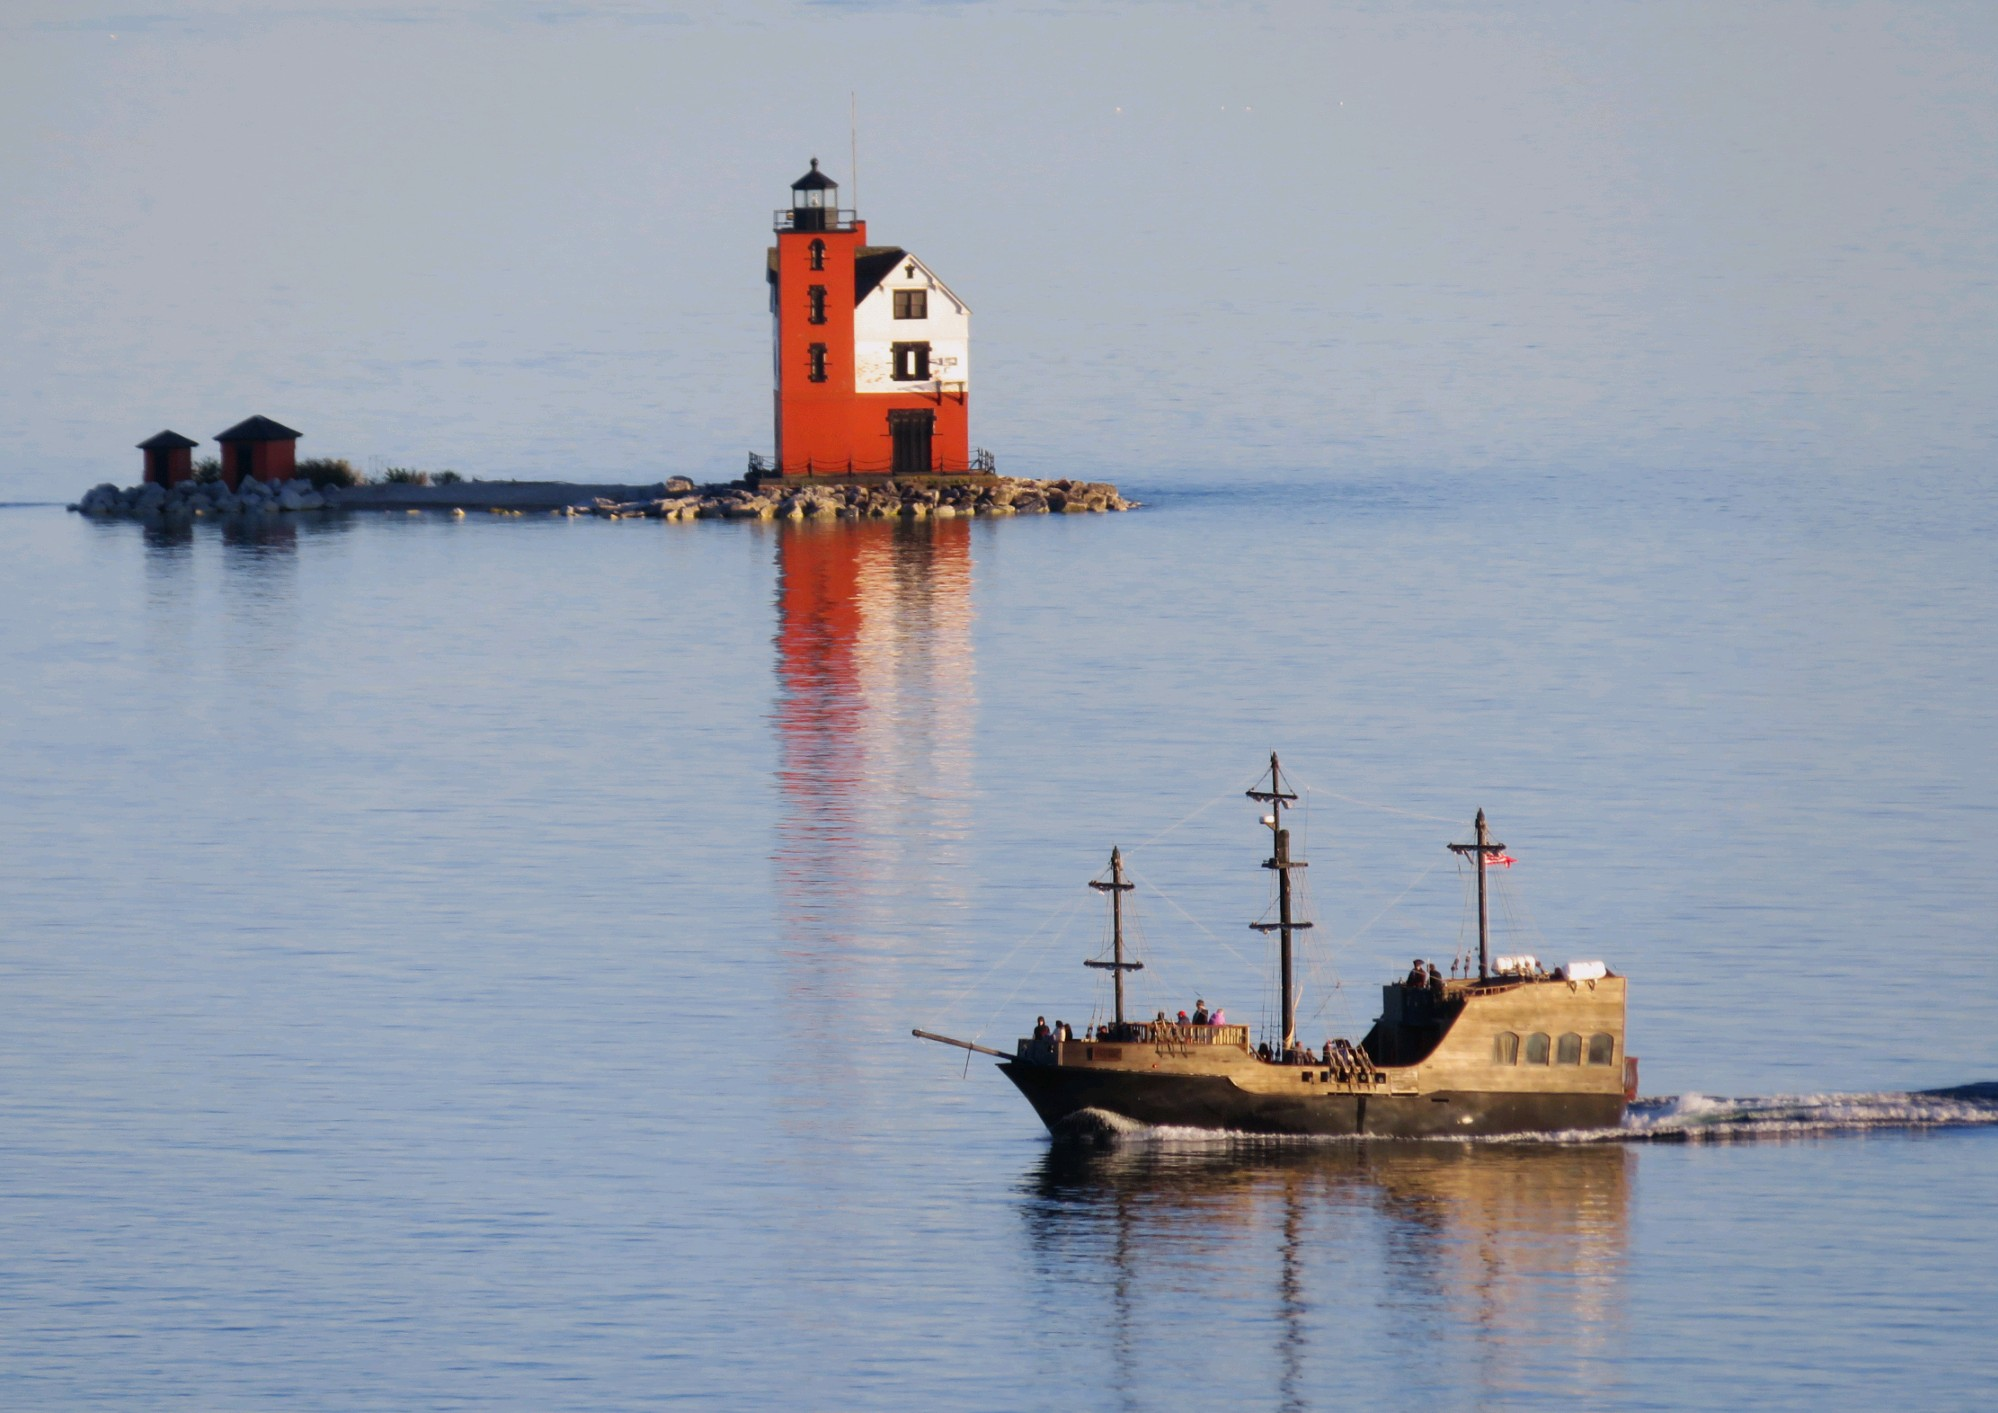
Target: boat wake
(1683,1118)
(1702,1118)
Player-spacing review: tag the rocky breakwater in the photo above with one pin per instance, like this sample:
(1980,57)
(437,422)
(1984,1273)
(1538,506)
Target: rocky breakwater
(202,498)
(889,500)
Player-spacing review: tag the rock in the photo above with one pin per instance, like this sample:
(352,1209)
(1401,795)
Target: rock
(678,485)
(458,513)
(945,512)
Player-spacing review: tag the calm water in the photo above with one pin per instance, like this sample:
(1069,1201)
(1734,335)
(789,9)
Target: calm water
(472,964)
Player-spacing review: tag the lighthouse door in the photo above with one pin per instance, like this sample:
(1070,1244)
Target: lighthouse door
(911,433)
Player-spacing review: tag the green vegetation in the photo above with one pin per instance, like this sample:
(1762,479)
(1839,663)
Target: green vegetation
(208,468)
(405,476)
(446,478)
(330,471)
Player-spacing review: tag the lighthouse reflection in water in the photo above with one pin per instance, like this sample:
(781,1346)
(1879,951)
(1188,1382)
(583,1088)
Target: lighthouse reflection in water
(876,710)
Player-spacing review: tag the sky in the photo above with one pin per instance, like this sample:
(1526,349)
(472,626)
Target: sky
(1278,240)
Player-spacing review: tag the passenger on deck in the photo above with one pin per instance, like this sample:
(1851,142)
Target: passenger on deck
(1435,984)
(1182,1018)
(1417,977)
(1062,1032)
(1199,1013)
(1041,1031)
(1218,1017)
(1263,1051)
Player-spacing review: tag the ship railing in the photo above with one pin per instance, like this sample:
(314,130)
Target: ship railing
(1172,1033)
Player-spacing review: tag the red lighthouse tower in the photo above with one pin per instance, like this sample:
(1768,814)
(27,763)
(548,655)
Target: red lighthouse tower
(872,349)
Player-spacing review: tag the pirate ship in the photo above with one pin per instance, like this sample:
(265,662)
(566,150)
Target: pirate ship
(1514,1049)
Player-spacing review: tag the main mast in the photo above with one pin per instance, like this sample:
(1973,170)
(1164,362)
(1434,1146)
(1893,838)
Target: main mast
(1117,887)
(1482,850)
(1279,799)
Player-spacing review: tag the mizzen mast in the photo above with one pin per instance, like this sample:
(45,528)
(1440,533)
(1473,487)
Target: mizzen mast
(1117,887)
(1279,799)
(1483,850)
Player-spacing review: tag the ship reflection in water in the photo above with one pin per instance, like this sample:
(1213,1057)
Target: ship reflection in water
(1311,1258)
(875,716)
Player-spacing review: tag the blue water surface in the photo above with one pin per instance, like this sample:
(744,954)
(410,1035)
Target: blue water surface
(472,963)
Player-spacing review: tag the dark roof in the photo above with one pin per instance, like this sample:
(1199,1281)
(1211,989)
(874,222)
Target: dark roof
(871,264)
(814,180)
(167,441)
(258,429)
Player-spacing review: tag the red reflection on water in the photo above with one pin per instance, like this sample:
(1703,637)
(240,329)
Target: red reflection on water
(876,696)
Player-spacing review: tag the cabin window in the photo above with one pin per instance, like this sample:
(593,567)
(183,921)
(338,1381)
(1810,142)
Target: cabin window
(912,361)
(818,248)
(1602,1048)
(815,299)
(1505,1048)
(912,304)
(1536,1049)
(1569,1052)
(817,355)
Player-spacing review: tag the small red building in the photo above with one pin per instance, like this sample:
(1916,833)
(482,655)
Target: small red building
(260,449)
(167,461)
(872,349)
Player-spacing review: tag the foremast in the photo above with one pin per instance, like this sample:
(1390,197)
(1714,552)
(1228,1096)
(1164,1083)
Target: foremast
(1281,863)
(1116,887)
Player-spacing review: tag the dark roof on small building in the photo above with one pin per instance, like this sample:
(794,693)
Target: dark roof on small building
(871,264)
(258,429)
(167,441)
(814,180)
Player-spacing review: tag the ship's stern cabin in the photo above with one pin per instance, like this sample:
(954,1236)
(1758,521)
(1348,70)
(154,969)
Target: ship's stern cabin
(1519,1028)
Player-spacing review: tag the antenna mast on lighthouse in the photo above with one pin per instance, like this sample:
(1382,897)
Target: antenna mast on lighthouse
(1117,887)
(1280,799)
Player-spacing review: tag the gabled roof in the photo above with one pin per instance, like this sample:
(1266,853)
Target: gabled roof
(258,429)
(871,264)
(167,441)
(888,257)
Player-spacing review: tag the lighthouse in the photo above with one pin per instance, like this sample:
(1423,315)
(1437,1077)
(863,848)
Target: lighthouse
(872,350)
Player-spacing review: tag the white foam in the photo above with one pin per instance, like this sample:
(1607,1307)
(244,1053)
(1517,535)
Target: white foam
(1702,1118)
(1678,1118)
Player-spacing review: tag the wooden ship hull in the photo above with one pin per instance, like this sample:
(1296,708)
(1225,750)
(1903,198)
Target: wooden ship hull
(1502,1057)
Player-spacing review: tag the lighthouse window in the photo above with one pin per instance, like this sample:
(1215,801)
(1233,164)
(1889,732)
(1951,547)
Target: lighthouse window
(912,304)
(1569,1051)
(816,300)
(1536,1049)
(818,249)
(1505,1048)
(817,354)
(1602,1048)
(912,361)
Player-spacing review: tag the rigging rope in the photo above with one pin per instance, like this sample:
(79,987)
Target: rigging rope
(1189,818)
(1366,804)
(1070,906)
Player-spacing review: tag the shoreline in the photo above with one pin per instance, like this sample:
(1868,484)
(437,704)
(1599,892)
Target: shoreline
(677,498)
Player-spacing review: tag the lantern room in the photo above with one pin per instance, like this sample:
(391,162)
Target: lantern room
(815,201)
